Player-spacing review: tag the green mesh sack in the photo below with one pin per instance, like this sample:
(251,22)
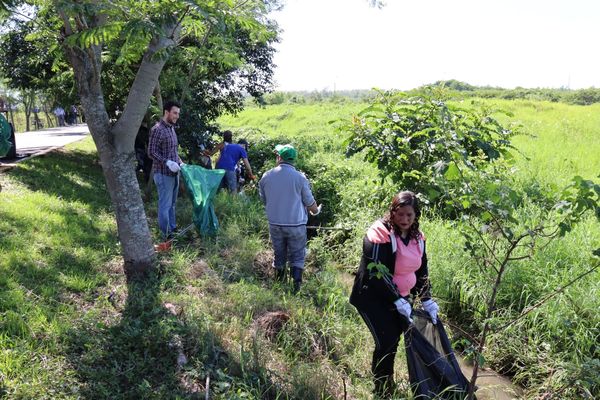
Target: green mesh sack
(5,132)
(202,185)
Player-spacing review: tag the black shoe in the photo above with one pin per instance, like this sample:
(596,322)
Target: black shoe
(384,388)
(173,234)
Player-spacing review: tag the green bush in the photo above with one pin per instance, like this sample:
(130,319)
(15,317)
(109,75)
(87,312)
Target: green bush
(416,141)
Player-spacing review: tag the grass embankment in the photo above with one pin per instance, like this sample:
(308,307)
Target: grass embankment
(71,327)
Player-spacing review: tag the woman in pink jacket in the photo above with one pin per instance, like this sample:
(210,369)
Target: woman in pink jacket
(393,269)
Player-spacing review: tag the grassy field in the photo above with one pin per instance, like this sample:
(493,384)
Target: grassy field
(212,319)
(564,139)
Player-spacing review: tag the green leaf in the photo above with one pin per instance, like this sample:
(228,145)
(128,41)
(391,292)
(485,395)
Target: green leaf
(378,270)
(452,172)
(433,194)
(481,359)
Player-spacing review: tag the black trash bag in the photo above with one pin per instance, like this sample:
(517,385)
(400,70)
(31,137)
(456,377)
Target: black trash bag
(432,366)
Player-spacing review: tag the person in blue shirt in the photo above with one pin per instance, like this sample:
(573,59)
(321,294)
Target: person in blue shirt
(231,154)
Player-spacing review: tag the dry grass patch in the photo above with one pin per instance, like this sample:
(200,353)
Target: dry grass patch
(271,323)
(198,269)
(263,264)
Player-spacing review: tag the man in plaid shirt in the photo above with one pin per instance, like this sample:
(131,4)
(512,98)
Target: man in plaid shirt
(162,148)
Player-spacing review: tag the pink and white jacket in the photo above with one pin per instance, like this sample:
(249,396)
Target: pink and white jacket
(407,264)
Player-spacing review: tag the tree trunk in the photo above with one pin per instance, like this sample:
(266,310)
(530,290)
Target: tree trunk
(134,233)
(121,181)
(27,122)
(158,97)
(28,100)
(117,165)
(48,119)
(116,144)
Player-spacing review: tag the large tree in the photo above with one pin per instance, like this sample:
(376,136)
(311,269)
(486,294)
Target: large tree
(145,33)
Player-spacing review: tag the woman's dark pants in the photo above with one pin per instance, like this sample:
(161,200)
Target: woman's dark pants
(386,326)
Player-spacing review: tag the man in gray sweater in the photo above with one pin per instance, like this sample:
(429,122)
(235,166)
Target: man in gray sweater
(288,198)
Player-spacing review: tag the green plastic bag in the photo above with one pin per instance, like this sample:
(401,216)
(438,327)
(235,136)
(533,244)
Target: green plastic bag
(202,185)
(5,132)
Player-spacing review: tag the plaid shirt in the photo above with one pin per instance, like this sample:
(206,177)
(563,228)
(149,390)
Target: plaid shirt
(163,147)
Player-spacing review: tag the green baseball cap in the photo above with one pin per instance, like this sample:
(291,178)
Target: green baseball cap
(287,152)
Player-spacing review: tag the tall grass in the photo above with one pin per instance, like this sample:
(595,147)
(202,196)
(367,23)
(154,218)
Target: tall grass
(308,121)
(562,140)
(553,349)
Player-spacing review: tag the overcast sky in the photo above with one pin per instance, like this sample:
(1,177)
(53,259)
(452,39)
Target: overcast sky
(345,44)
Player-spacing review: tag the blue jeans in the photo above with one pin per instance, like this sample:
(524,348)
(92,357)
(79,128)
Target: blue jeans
(289,244)
(167,187)
(229,181)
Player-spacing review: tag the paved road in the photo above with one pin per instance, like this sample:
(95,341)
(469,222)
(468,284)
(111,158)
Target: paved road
(36,142)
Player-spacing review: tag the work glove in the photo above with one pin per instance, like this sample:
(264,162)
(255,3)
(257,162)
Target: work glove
(404,308)
(173,166)
(251,177)
(318,210)
(432,309)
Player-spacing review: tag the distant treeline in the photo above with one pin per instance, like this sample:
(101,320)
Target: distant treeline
(453,89)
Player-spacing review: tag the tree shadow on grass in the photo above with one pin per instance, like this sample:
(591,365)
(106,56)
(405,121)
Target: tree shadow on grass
(135,358)
(140,357)
(72,175)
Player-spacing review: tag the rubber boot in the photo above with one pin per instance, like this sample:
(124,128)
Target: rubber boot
(297,276)
(280,274)
(384,388)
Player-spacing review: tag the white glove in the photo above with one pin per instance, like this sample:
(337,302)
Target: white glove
(432,309)
(173,166)
(404,308)
(318,210)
